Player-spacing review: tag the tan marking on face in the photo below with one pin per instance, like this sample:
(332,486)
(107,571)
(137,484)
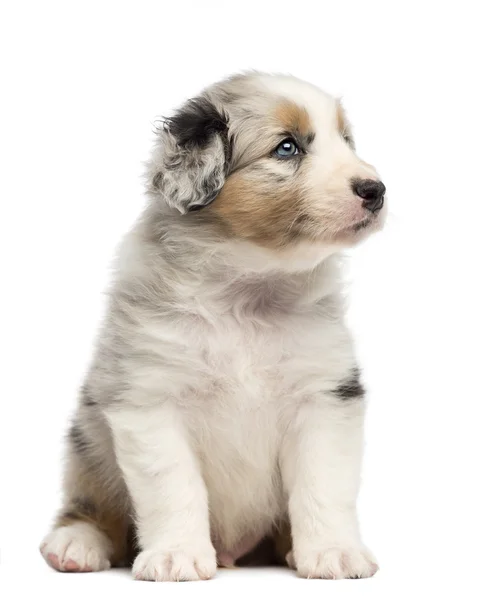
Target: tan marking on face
(257,208)
(293,118)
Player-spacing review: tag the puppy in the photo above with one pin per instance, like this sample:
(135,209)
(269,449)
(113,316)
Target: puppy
(223,406)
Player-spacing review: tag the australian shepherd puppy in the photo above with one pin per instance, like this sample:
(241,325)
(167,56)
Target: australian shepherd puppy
(223,409)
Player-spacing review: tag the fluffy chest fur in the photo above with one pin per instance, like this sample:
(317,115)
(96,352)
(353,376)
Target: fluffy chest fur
(242,353)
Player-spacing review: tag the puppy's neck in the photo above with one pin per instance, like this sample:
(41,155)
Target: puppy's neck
(227,272)
(299,259)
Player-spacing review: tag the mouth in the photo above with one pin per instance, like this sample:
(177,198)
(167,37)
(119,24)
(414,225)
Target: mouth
(352,232)
(361,225)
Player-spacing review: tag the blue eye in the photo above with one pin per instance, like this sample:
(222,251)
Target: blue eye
(287,149)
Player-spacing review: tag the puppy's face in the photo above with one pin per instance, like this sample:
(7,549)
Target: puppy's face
(291,175)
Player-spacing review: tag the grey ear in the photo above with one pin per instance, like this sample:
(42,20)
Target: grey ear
(191,157)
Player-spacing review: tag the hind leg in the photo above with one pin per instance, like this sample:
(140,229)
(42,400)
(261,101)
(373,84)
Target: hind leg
(91,530)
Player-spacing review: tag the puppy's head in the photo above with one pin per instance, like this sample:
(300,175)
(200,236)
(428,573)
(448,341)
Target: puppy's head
(272,159)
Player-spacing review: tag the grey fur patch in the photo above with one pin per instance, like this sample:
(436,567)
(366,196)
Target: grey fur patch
(80,507)
(188,176)
(350,388)
(85,506)
(78,440)
(86,399)
(157,181)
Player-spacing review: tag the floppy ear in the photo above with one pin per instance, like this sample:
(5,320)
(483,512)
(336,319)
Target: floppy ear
(191,157)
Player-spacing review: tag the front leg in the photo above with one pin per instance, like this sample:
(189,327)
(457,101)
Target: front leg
(168,493)
(320,462)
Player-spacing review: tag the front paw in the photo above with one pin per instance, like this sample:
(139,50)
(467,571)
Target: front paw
(186,564)
(336,562)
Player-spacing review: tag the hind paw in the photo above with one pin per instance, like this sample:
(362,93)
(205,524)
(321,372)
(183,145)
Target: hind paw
(77,548)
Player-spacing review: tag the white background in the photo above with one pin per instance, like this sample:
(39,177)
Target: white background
(82,83)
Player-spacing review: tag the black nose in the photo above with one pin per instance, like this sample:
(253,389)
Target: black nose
(372,193)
